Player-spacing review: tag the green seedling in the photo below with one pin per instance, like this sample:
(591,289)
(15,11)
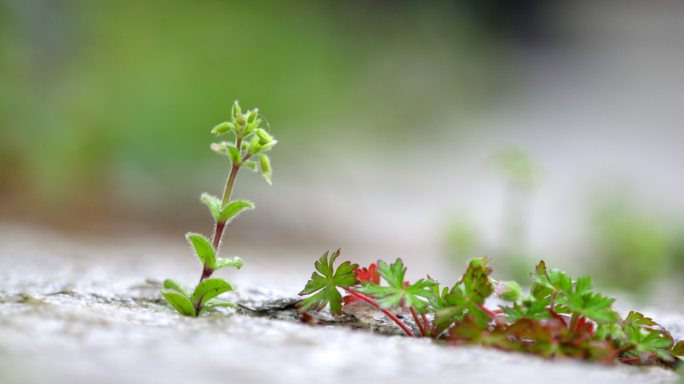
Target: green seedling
(559,318)
(246,147)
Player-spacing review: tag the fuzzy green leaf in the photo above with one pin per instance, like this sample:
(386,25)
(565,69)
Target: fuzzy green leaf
(234,262)
(264,137)
(179,302)
(213,203)
(222,148)
(254,145)
(236,111)
(203,249)
(234,154)
(233,209)
(223,128)
(266,170)
(174,286)
(215,303)
(251,165)
(324,283)
(209,289)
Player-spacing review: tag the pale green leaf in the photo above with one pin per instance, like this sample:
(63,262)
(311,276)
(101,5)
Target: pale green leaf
(233,209)
(179,302)
(203,249)
(266,170)
(174,286)
(222,128)
(209,289)
(213,203)
(234,154)
(215,303)
(235,262)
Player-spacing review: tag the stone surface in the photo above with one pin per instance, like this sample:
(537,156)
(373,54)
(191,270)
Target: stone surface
(79,312)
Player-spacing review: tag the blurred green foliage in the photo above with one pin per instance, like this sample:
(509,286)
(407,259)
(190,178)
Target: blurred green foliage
(512,253)
(109,96)
(636,247)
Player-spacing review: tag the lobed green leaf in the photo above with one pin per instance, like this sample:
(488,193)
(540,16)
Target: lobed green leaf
(324,283)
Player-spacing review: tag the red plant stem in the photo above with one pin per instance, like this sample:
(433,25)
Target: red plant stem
(221,225)
(426,323)
(631,360)
(487,311)
(417,321)
(387,313)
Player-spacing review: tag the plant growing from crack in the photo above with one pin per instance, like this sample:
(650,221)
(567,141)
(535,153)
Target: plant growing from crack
(560,317)
(247,147)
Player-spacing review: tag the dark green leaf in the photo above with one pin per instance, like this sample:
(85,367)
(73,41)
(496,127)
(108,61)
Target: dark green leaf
(678,349)
(324,283)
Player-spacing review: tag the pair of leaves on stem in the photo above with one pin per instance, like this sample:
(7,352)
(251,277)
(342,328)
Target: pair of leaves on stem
(225,214)
(203,297)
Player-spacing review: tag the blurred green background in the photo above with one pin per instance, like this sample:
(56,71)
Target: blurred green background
(430,130)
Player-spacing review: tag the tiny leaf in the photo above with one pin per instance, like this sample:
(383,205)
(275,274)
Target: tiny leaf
(215,303)
(266,170)
(264,136)
(250,164)
(234,262)
(209,289)
(203,249)
(174,286)
(213,203)
(234,154)
(222,128)
(236,111)
(233,209)
(179,302)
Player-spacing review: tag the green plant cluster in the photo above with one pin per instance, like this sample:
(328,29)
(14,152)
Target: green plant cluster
(246,146)
(559,317)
